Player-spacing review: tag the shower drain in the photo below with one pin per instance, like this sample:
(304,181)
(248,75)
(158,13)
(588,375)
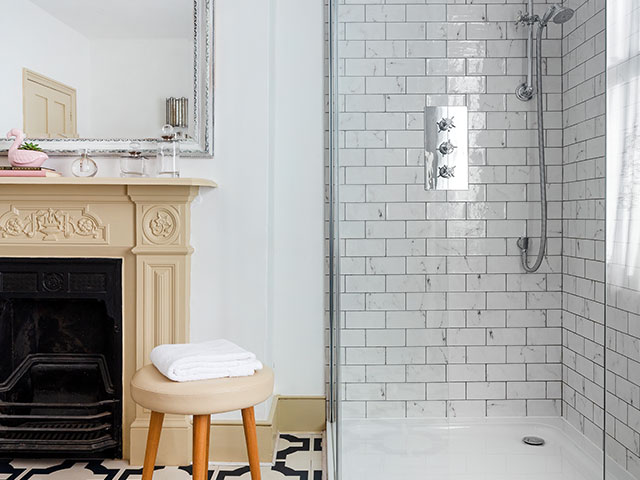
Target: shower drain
(533,441)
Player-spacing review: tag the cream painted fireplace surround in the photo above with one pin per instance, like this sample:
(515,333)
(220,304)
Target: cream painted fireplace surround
(146,223)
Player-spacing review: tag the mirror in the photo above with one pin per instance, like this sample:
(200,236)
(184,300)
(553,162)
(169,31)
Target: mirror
(90,74)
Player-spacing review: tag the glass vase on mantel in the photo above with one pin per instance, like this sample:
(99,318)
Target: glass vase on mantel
(85,166)
(168,157)
(134,165)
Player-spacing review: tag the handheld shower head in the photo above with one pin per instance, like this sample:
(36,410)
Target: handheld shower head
(558,14)
(563,15)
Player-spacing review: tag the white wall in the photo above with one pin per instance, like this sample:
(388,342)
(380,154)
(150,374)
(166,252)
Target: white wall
(131,78)
(41,43)
(265,221)
(257,270)
(231,225)
(298,199)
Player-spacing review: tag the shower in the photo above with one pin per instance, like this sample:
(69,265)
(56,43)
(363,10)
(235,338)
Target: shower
(525,92)
(451,359)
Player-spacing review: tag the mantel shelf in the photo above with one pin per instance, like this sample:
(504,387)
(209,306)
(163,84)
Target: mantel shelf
(186,182)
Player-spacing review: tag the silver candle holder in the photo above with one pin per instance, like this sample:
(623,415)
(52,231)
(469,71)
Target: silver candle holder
(177,112)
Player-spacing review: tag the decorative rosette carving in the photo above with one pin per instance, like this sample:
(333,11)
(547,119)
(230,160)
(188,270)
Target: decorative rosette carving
(160,224)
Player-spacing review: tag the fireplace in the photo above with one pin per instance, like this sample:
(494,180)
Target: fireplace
(145,222)
(61,357)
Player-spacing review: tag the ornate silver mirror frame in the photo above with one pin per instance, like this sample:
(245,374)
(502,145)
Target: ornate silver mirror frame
(202,113)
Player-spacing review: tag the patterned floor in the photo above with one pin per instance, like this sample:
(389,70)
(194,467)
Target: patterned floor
(298,457)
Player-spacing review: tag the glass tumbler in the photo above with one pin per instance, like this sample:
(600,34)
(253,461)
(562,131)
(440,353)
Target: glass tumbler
(134,164)
(168,156)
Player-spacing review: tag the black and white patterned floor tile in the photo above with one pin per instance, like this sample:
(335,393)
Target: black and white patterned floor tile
(298,456)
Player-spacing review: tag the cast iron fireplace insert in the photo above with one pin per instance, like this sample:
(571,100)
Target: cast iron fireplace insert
(60,357)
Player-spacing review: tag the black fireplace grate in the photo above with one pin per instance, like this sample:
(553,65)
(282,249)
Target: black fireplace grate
(64,426)
(87,436)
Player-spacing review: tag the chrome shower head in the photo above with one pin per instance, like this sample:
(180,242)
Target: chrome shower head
(558,14)
(563,15)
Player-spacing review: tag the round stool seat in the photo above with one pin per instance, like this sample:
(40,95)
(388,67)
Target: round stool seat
(154,391)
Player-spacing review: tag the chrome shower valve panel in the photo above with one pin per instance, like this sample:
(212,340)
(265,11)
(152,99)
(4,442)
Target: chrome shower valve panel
(446,148)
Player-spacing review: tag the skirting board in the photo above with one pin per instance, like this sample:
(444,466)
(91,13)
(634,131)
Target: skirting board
(288,414)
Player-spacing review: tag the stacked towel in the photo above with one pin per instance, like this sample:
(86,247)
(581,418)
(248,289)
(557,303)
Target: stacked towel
(201,361)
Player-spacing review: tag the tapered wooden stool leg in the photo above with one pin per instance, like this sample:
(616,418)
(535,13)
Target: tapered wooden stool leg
(153,439)
(206,464)
(201,425)
(249,424)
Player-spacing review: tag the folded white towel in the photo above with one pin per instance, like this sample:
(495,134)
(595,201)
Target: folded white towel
(186,362)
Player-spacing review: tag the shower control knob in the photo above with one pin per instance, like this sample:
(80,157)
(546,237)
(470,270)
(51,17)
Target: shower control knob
(445,124)
(522,18)
(446,171)
(446,148)
(525,18)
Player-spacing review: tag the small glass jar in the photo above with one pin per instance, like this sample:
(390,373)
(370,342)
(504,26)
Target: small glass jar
(85,166)
(168,157)
(134,164)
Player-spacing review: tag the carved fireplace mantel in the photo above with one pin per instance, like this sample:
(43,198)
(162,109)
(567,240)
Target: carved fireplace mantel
(146,222)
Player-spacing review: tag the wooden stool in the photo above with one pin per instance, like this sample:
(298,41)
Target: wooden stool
(152,390)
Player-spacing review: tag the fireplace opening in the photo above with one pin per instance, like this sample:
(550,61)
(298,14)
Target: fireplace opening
(60,358)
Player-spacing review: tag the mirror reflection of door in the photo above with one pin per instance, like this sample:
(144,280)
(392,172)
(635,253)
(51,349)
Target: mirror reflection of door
(49,107)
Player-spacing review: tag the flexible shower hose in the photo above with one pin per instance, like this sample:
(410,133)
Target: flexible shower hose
(523,243)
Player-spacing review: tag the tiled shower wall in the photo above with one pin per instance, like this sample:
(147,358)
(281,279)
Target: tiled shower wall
(439,318)
(584,64)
